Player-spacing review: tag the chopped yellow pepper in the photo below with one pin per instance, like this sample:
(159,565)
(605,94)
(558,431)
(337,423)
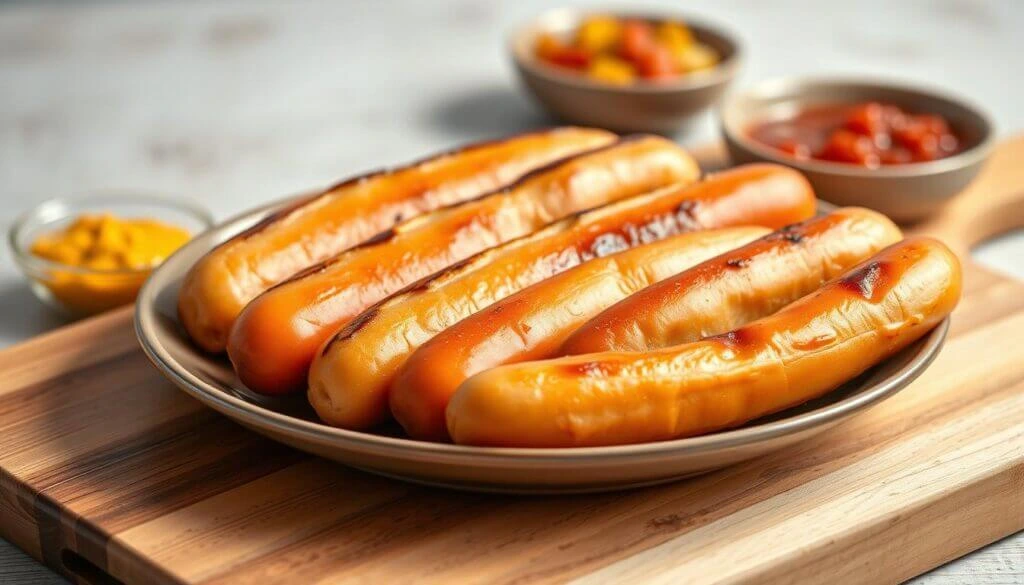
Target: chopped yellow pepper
(123,251)
(599,34)
(696,57)
(612,70)
(674,35)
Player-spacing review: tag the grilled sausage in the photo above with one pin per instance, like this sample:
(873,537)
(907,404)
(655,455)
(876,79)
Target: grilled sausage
(232,274)
(532,323)
(349,379)
(275,337)
(739,286)
(805,350)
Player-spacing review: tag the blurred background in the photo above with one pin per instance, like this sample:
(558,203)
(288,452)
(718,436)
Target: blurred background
(236,103)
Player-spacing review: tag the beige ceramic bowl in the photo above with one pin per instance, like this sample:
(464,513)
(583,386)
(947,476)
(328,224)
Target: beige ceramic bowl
(903,192)
(665,108)
(290,419)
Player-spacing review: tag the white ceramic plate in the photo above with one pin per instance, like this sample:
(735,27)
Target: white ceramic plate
(291,420)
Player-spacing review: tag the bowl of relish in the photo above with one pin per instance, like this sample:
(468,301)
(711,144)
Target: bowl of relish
(627,71)
(899,149)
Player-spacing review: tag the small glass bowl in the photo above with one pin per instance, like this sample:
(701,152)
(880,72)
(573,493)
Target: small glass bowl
(77,291)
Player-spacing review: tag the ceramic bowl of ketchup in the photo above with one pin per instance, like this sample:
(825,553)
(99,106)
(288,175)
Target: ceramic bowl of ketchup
(901,150)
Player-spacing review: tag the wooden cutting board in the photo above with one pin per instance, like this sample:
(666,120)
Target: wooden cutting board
(108,473)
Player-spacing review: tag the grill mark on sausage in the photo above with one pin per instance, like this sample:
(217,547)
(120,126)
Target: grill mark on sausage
(367,316)
(793,233)
(390,233)
(737,263)
(378,238)
(601,243)
(529,176)
(352,326)
(383,172)
(598,245)
(871,281)
(274,217)
(308,271)
(738,339)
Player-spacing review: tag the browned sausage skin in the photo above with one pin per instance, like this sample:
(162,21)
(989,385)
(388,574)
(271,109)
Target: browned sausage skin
(739,286)
(722,293)
(805,350)
(315,228)
(274,339)
(532,323)
(349,378)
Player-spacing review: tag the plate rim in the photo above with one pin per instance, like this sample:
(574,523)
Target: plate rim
(260,417)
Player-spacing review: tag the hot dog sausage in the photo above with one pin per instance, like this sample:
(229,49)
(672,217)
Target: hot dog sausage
(275,337)
(349,379)
(739,286)
(532,323)
(232,274)
(805,350)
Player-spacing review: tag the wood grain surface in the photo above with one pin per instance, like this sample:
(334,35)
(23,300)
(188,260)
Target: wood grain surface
(109,472)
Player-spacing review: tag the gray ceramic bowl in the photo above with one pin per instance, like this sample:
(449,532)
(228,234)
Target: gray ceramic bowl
(903,192)
(665,107)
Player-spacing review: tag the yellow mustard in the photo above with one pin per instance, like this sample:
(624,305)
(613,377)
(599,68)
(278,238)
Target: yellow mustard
(121,252)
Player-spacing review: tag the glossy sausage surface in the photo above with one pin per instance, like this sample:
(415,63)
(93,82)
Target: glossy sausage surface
(532,323)
(739,286)
(314,229)
(349,379)
(805,350)
(275,337)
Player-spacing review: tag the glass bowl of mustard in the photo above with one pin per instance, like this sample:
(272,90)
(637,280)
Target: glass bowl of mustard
(86,255)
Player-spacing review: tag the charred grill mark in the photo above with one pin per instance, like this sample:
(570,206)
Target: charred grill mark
(309,271)
(737,263)
(687,210)
(654,227)
(869,281)
(794,233)
(352,327)
(424,283)
(737,339)
(607,243)
(379,238)
(364,318)
(275,217)
(390,233)
(378,173)
(619,141)
(523,179)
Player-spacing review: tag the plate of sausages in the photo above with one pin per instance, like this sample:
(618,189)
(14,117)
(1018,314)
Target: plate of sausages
(560,311)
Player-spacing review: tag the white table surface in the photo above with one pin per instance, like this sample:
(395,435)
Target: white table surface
(237,103)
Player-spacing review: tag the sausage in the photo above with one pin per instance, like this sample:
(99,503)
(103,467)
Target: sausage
(275,337)
(801,352)
(532,323)
(349,379)
(739,286)
(314,229)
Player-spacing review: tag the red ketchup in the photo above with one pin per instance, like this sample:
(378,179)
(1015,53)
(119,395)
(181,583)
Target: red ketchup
(870,135)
